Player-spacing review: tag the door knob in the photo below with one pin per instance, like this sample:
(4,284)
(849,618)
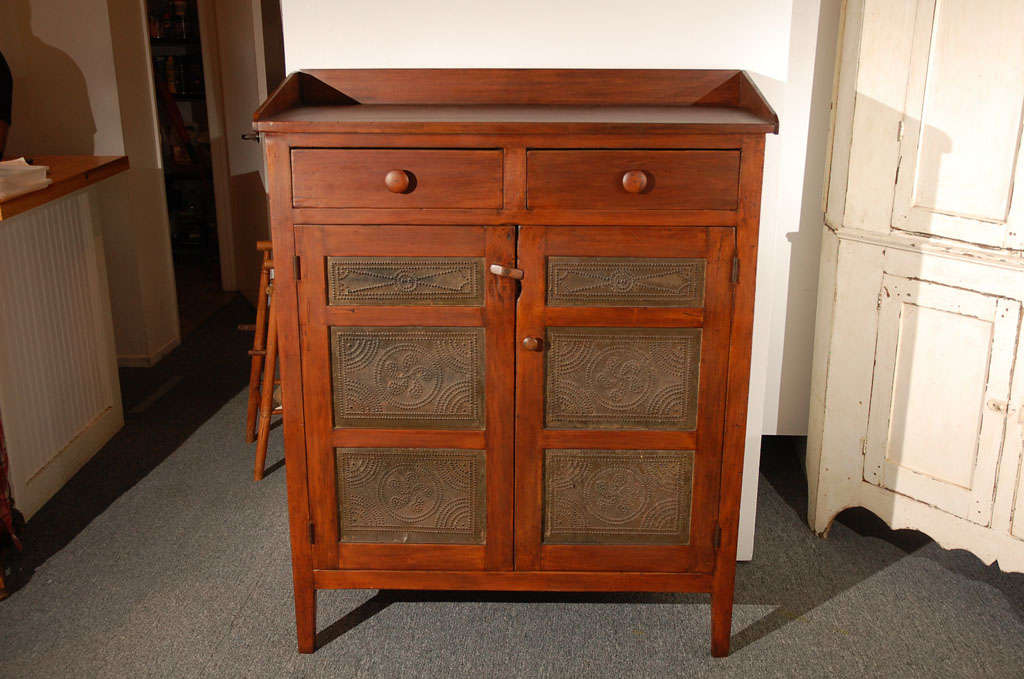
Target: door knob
(397,181)
(634,181)
(532,343)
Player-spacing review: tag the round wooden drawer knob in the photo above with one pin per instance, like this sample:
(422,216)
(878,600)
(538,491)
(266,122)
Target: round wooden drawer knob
(532,343)
(397,181)
(634,181)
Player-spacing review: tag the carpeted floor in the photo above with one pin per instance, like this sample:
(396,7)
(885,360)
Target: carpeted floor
(177,566)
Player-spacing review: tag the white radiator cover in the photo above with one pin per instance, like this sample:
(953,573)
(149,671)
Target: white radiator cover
(59,394)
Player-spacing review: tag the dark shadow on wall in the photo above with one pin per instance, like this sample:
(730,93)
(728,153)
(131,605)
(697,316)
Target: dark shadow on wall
(52,113)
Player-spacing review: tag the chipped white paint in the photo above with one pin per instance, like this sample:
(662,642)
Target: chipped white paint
(918,387)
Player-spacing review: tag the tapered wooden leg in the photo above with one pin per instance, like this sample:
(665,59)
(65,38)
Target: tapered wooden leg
(721,609)
(305,616)
(266,395)
(259,345)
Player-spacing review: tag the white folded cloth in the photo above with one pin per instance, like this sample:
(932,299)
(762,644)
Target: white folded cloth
(18,177)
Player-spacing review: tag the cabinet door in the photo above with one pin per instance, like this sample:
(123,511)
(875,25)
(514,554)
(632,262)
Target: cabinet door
(408,390)
(620,383)
(943,361)
(959,154)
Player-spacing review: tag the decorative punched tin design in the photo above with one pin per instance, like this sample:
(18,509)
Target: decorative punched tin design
(411,495)
(405,281)
(617,496)
(625,281)
(408,377)
(622,378)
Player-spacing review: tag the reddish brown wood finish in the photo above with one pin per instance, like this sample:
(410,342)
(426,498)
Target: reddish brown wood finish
(594,180)
(299,526)
(534,318)
(69,173)
(563,101)
(708,208)
(266,391)
(358,178)
(496,245)
(259,342)
(553,581)
(634,181)
(736,399)
(553,87)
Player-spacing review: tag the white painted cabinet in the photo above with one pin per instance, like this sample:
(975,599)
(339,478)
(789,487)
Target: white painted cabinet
(962,122)
(943,358)
(919,367)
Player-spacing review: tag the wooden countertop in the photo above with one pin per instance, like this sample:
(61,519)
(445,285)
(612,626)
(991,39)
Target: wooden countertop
(69,173)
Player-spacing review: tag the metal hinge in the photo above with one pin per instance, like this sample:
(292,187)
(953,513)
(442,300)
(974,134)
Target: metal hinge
(735,270)
(298,269)
(312,533)
(899,131)
(716,539)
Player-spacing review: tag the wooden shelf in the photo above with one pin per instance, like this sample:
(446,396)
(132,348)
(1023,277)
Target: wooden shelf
(517,101)
(69,173)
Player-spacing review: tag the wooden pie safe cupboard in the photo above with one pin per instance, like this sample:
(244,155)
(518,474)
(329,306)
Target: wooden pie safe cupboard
(515,314)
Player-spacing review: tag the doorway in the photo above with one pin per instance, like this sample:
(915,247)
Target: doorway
(180,85)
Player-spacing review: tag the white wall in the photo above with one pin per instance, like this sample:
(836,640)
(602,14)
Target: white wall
(77,91)
(137,204)
(63,68)
(233,56)
(775,40)
(786,45)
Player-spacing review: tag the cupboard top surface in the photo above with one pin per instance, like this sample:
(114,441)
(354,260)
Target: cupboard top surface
(511,101)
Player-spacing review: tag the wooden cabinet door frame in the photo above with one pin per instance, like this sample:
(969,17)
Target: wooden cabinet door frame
(492,245)
(717,246)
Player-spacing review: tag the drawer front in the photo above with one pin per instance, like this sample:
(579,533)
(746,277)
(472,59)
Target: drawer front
(396,178)
(633,179)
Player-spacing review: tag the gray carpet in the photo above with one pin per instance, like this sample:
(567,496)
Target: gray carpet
(187,575)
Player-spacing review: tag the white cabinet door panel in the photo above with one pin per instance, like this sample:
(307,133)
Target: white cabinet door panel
(943,361)
(959,154)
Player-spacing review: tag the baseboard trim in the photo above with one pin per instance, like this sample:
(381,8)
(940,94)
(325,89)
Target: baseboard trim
(44,483)
(147,361)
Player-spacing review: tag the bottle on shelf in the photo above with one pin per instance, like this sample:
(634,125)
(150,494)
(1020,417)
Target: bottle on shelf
(195,77)
(181,22)
(180,84)
(167,27)
(170,75)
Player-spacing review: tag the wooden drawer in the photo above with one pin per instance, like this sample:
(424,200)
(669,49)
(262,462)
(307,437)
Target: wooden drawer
(396,178)
(633,179)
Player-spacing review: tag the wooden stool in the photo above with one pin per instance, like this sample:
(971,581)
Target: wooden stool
(262,377)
